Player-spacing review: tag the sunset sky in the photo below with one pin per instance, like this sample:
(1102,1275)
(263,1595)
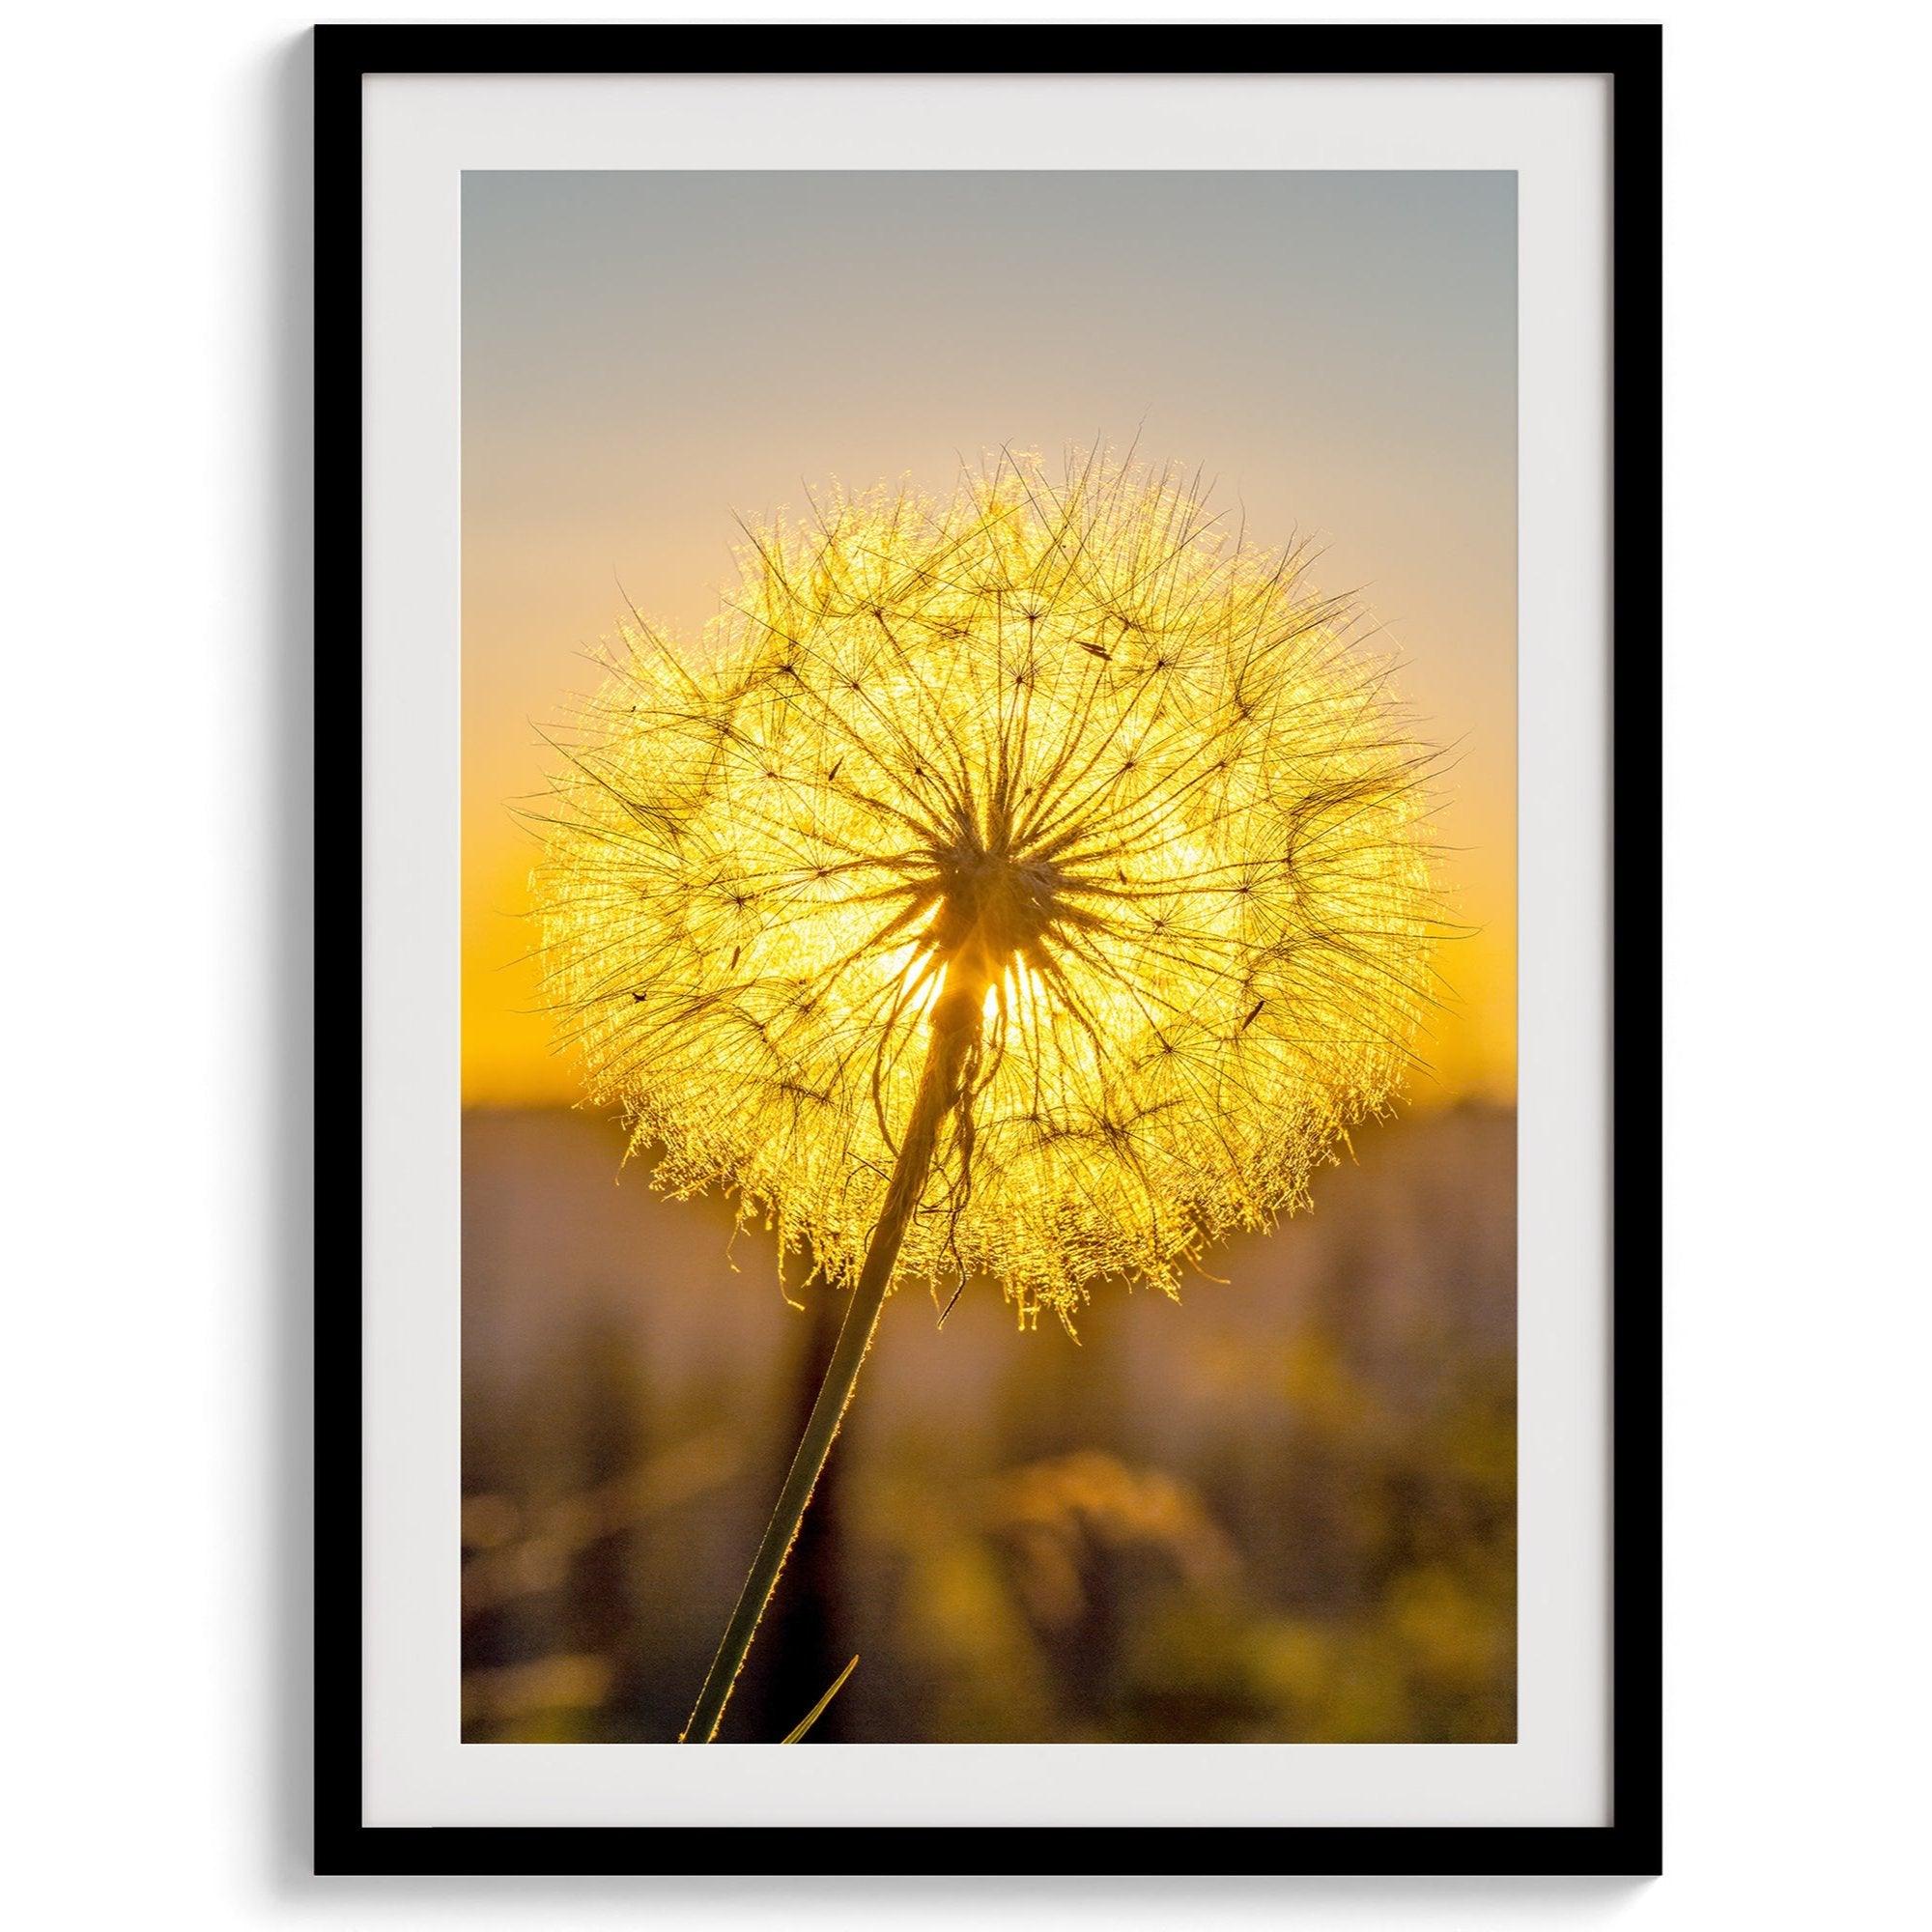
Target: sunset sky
(646,354)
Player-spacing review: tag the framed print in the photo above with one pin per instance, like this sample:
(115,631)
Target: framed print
(1006,863)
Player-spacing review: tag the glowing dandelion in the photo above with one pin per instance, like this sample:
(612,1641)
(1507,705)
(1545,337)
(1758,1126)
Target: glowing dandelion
(1032,885)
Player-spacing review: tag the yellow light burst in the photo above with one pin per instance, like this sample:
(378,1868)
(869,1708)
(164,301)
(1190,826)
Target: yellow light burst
(1066,751)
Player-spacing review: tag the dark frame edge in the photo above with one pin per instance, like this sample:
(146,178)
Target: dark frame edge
(343,1843)
(1630,1844)
(1635,1033)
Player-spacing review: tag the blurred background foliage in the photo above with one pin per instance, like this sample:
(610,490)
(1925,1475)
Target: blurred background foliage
(1282,1511)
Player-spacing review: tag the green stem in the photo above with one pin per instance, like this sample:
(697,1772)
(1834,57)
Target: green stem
(956,1021)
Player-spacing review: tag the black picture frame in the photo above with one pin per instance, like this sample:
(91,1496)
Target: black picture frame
(1630,1843)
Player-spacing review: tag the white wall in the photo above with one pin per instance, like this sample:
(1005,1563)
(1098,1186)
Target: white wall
(153,308)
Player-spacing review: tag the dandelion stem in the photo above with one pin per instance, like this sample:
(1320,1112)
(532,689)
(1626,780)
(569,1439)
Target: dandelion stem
(955,1022)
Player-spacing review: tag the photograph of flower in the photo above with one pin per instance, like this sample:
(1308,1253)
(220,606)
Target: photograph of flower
(988,957)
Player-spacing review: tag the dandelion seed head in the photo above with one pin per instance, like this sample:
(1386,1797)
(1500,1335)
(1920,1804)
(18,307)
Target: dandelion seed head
(1064,743)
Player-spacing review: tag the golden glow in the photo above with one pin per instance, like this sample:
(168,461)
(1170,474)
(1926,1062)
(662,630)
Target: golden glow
(1071,743)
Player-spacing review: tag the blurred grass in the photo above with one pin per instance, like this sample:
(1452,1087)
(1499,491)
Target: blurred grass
(1283,1510)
